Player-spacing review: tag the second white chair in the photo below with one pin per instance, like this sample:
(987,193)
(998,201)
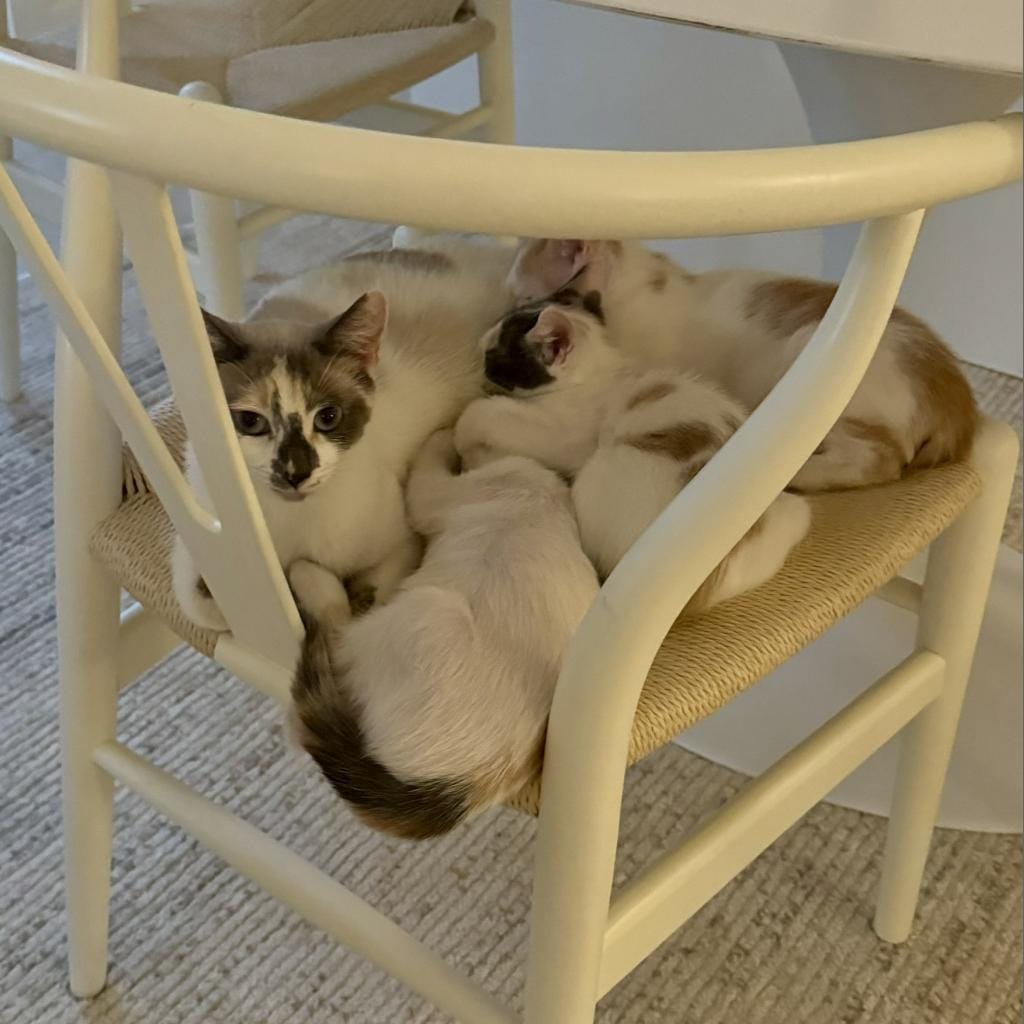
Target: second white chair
(317,61)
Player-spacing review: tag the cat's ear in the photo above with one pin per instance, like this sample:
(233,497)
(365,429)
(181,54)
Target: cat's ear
(357,332)
(553,335)
(225,340)
(543,266)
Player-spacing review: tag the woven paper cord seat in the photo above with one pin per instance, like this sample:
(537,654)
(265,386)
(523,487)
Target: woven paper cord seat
(859,539)
(319,68)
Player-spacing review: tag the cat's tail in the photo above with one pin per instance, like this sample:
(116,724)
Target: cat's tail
(326,723)
(760,553)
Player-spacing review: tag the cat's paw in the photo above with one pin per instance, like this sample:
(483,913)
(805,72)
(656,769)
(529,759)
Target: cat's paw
(318,592)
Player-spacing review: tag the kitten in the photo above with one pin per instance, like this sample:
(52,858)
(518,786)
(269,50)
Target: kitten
(631,436)
(743,329)
(395,371)
(301,398)
(430,709)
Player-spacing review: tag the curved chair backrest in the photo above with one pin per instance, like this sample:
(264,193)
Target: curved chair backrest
(148,140)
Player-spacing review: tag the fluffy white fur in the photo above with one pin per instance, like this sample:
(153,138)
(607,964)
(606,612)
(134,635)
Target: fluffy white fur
(744,328)
(631,436)
(352,518)
(450,684)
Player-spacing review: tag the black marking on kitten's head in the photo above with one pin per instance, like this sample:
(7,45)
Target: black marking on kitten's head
(295,458)
(512,361)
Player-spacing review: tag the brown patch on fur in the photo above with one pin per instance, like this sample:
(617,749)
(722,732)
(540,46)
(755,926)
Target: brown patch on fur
(947,414)
(890,458)
(658,280)
(615,248)
(947,411)
(683,442)
(413,259)
(651,393)
(786,304)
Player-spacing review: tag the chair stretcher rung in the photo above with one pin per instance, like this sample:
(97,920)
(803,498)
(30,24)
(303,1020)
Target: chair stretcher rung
(903,593)
(143,640)
(303,887)
(684,879)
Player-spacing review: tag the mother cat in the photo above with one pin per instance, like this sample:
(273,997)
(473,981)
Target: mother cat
(333,385)
(743,329)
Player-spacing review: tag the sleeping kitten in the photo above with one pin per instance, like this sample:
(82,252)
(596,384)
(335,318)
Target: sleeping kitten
(432,708)
(631,436)
(743,329)
(385,375)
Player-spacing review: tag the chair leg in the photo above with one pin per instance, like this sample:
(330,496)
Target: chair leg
(10,342)
(568,917)
(960,566)
(496,70)
(87,488)
(575,863)
(216,228)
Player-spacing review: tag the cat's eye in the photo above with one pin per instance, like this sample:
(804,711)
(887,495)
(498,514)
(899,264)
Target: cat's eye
(250,423)
(326,418)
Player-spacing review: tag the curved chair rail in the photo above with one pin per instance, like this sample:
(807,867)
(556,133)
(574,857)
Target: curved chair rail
(499,190)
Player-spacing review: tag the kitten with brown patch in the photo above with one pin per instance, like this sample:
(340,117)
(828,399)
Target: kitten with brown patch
(632,436)
(428,710)
(743,329)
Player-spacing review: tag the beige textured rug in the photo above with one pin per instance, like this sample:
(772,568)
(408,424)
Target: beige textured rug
(191,943)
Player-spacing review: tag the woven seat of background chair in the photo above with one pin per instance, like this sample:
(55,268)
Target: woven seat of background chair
(320,62)
(858,540)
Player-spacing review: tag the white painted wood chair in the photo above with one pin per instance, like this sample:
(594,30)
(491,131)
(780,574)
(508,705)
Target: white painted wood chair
(319,61)
(632,674)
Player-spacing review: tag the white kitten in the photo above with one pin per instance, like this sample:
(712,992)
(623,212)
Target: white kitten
(433,707)
(743,329)
(331,491)
(632,436)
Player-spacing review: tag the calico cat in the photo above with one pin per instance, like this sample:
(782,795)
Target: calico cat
(330,408)
(427,710)
(632,436)
(743,329)
(301,397)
